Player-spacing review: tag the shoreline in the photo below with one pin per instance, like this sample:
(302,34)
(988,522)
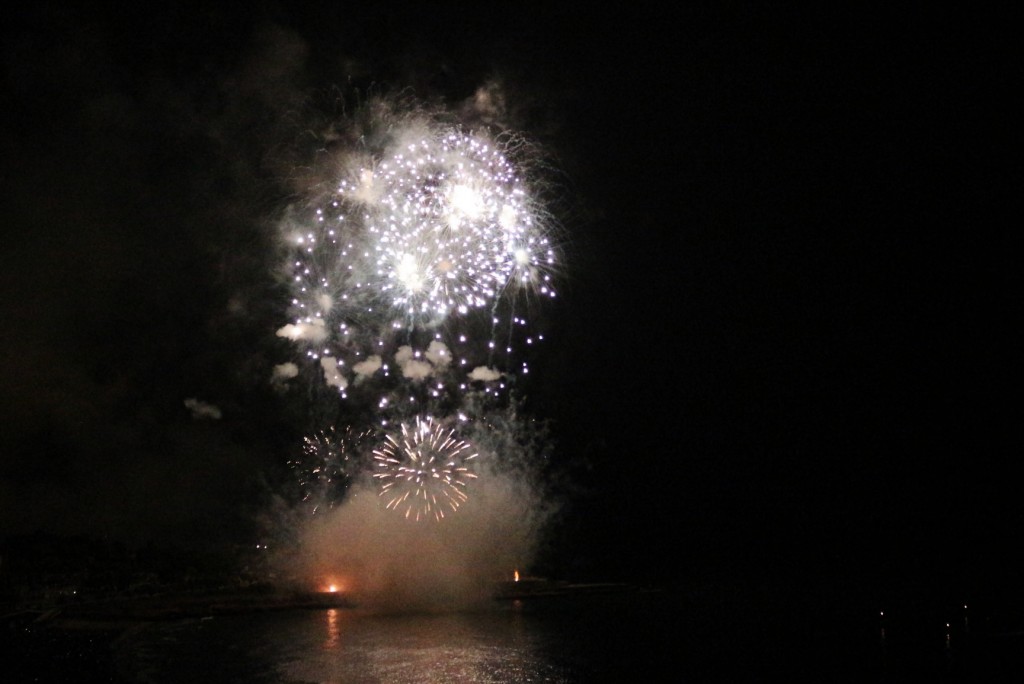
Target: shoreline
(110,614)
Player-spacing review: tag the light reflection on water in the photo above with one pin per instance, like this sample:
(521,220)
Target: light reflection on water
(333,631)
(507,644)
(461,647)
(625,638)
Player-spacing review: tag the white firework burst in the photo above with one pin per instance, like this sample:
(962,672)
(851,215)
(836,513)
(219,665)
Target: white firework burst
(450,226)
(433,235)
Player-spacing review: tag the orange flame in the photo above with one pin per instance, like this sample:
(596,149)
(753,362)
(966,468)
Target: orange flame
(515,575)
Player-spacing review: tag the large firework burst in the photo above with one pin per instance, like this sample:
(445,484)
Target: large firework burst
(422,241)
(452,228)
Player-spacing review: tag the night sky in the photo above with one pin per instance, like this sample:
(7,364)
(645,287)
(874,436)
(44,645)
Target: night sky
(781,347)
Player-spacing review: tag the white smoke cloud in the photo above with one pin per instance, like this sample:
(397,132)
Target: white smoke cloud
(284,371)
(484,373)
(417,370)
(404,354)
(201,409)
(412,367)
(332,376)
(368,367)
(314,331)
(368,188)
(439,354)
(489,103)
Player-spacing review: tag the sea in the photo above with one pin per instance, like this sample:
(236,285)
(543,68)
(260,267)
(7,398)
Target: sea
(623,636)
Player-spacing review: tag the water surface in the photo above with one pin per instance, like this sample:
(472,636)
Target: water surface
(634,637)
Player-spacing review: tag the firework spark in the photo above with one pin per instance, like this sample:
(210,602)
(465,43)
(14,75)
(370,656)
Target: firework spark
(425,470)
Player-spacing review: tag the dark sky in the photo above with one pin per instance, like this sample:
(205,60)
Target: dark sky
(782,344)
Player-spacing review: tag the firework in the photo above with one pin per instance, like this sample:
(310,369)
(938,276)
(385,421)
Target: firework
(452,228)
(424,471)
(330,460)
(411,264)
(417,247)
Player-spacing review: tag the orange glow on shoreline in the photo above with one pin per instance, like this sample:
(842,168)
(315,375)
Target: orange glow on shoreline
(332,585)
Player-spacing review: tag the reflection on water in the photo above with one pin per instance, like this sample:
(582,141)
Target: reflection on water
(597,639)
(475,647)
(341,645)
(333,631)
(566,643)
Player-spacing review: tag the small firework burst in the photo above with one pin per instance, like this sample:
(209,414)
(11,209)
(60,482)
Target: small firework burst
(424,471)
(330,459)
